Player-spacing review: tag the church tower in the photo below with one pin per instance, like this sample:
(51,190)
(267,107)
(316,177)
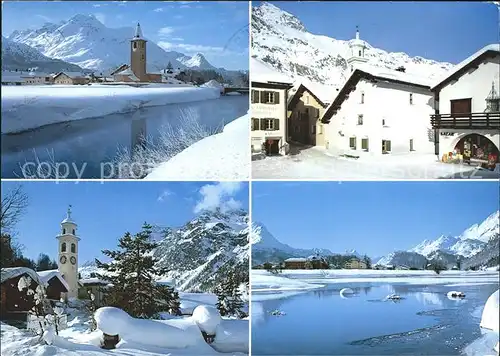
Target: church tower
(138,54)
(357,47)
(68,254)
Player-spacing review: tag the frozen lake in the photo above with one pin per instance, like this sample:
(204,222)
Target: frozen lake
(87,146)
(321,322)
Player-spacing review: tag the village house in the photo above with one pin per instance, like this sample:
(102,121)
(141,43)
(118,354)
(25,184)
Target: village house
(37,78)
(269,99)
(55,285)
(305,110)
(466,117)
(136,71)
(311,262)
(378,111)
(16,303)
(355,263)
(94,286)
(71,78)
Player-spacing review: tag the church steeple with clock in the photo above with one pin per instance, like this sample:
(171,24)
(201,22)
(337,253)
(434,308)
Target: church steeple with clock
(68,254)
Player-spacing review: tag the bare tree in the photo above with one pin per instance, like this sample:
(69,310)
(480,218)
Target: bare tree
(14,204)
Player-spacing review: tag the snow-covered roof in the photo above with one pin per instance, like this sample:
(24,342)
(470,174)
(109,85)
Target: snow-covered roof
(128,72)
(296,259)
(72,75)
(13,272)
(392,74)
(46,276)
(35,74)
(94,280)
(466,62)
(264,73)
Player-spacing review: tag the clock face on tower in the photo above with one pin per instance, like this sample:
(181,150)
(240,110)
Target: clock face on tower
(72,260)
(63,259)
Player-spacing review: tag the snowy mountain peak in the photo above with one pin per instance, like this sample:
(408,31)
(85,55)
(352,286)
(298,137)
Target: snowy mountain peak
(198,61)
(274,14)
(84,20)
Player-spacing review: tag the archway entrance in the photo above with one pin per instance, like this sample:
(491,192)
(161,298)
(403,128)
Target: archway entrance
(477,148)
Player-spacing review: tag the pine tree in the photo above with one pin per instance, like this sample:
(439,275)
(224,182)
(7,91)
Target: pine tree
(229,300)
(132,274)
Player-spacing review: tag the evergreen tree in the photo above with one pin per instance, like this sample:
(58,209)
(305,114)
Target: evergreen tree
(367,261)
(132,274)
(229,300)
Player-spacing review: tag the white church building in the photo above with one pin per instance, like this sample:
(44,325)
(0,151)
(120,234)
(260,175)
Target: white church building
(467,108)
(379,111)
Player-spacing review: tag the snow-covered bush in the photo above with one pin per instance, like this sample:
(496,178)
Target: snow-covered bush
(40,319)
(137,162)
(207,318)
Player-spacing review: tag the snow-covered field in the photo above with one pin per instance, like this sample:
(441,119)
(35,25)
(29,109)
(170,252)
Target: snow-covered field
(170,336)
(316,163)
(29,107)
(225,155)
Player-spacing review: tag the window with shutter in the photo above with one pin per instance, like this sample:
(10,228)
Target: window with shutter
(263,124)
(360,119)
(352,143)
(255,124)
(262,96)
(364,144)
(255,96)
(386,146)
(276,98)
(276,124)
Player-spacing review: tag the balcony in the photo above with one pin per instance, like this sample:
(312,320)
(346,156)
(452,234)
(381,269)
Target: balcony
(471,121)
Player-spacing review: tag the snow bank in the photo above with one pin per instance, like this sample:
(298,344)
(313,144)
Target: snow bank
(490,319)
(214,84)
(265,282)
(29,107)
(207,318)
(222,156)
(232,336)
(175,333)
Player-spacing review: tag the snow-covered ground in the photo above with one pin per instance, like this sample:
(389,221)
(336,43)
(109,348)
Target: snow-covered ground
(222,156)
(29,107)
(316,163)
(173,336)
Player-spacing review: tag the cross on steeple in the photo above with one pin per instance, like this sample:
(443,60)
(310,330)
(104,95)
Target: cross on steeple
(69,212)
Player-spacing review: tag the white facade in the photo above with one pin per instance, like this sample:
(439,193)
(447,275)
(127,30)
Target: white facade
(269,110)
(68,254)
(375,113)
(475,84)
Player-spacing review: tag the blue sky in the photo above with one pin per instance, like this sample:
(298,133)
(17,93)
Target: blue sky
(105,211)
(375,218)
(443,31)
(184,26)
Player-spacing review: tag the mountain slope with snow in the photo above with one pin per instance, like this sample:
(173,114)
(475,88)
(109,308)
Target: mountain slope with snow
(22,57)
(85,41)
(281,40)
(202,253)
(198,61)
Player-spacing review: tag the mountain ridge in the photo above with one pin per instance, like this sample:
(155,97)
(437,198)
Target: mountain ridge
(281,40)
